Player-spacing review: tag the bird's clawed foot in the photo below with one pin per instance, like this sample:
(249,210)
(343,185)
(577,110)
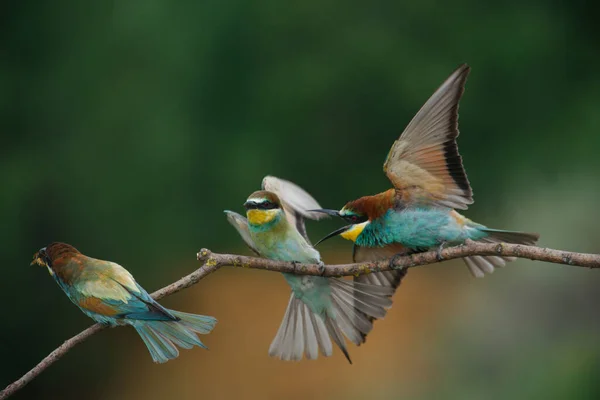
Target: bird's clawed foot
(395,259)
(295,264)
(322,267)
(439,251)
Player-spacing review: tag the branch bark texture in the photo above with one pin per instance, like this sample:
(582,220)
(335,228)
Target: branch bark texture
(213,261)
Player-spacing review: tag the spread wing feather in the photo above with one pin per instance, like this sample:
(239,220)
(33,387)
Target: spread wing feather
(424,164)
(387,279)
(295,201)
(240,223)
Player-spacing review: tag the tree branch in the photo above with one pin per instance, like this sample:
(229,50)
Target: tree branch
(213,261)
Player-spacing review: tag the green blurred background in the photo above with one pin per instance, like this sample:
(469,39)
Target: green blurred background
(128,126)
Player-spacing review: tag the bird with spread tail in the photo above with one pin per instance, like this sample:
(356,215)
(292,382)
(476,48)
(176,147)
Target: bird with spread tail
(319,307)
(107,293)
(429,183)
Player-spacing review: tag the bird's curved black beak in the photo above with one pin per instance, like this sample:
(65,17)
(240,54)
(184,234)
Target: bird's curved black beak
(334,213)
(248,205)
(334,233)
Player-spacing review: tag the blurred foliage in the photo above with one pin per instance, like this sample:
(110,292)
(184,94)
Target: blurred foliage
(128,126)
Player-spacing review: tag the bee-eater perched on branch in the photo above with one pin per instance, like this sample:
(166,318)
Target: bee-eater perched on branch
(107,293)
(429,182)
(318,307)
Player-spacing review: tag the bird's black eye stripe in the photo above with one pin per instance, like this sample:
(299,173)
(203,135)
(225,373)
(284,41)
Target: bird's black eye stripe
(265,205)
(355,218)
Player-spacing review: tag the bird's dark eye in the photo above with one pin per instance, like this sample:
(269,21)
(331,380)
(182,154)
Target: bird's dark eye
(353,218)
(267,205)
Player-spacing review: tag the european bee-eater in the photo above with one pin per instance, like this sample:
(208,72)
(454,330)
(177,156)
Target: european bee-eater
(429,182)
(107,293)
(319,307)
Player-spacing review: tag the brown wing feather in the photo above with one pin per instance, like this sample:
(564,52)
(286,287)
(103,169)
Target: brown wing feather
(95,304)
(424,164)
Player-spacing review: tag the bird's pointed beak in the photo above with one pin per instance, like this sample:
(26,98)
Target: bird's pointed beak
(334,213)
(334,233)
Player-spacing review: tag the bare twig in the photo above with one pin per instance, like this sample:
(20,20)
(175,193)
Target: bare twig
(213,261)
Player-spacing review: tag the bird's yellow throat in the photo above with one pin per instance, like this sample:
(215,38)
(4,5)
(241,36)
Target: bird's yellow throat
(352,233)
(260,217)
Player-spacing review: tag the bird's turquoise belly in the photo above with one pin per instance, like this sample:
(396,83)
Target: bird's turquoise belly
(415,228)
(281,248)
(314,291)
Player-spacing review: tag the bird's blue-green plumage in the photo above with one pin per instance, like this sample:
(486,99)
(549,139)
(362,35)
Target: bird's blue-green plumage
(319,309)
(429,182)
(108,294)
(277,240)
(419,228)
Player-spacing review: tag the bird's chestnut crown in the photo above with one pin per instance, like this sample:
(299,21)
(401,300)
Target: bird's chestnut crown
(46,256)
(262,200)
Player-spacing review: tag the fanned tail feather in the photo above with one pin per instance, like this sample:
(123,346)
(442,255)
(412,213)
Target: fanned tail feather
(336,334)
(201,324)
(480,265)
(355,305)
(162,337)
(300,332)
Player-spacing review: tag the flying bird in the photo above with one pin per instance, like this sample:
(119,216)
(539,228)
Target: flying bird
(319,308)
(429,183)
(107,293)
